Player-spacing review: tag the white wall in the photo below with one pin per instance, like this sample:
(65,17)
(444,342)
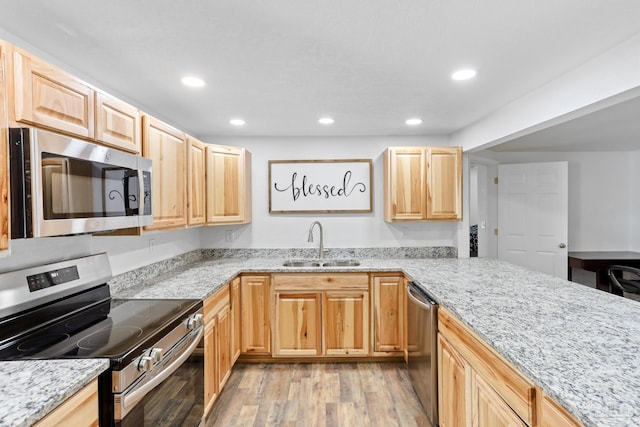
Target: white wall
(341,230)
(125,252)
(634,195)
(130,252)
(601,212)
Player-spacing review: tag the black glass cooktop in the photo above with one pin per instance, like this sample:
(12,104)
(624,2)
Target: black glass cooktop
(110,328)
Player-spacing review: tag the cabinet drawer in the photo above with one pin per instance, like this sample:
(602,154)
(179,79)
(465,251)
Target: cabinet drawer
(81,409)
(554,415)
(215,303)
(320,282)
(513,387)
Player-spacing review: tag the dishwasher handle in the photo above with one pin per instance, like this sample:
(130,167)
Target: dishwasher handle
(419,296)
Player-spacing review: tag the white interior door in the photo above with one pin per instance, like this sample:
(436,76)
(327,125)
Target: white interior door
(533,216)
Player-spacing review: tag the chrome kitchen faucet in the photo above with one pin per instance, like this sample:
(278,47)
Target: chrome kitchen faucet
(310,239)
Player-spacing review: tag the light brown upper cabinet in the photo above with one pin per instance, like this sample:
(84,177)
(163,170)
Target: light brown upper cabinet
(48,97)
(196,192)
(422,183)
(117,123)
(4,170)
(228,185)
(165,146)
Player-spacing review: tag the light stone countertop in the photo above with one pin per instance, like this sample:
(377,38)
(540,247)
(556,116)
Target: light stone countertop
(580,345)
(31,389)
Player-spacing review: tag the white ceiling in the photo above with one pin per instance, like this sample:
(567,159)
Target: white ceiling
(615,128)
(282,64)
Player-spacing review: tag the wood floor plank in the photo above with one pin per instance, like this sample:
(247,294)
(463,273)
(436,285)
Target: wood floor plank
(318,394)
(247,415)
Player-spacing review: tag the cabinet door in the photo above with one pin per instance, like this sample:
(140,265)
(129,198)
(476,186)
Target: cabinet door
(444,183)
(297,324)
(47,96)
(228,185)
(118,124)
(554,415)
(196,200)
(80,410)
(256,317)
(388,313)
(405,184)
(4,147)
(452,386)
(165,146)
(224,346)
(210,364)
(346,323)
(513,388)
(489,410)
(236,344)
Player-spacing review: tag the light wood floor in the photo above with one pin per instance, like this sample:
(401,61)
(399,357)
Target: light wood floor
(318,394)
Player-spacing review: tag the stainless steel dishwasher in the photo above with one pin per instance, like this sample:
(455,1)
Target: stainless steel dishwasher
(422,329)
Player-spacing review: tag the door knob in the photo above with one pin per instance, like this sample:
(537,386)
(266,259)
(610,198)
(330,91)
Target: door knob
(562,245)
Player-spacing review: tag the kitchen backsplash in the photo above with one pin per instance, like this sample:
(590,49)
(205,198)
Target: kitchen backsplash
(143,274)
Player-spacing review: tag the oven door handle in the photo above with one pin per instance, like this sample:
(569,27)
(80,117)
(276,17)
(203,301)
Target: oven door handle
(130,399)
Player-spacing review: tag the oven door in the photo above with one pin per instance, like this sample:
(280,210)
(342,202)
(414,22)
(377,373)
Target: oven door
(72,186)
(173,395)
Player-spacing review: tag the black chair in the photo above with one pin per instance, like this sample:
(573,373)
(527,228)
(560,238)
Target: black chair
(629,284)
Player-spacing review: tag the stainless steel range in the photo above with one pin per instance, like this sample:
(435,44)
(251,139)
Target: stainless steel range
(65,310)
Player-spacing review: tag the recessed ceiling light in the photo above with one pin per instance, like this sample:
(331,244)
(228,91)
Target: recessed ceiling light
(325,120)
(413,122)
(237,122)
(465,74)
(192,81)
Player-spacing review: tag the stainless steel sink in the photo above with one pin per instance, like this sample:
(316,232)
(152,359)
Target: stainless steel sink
(341,263)
(301,263)
(321,263)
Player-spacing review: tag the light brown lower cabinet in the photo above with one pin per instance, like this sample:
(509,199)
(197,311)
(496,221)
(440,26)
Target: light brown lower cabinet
(321,314)
(554,415)
(477,386)
(388,307)
(256,314)
(236,317)
(217,345)
(297,324)
(345,323)
(80,410)
(488,406)
(452,385)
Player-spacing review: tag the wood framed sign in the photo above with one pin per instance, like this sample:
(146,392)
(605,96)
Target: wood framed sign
(320,186)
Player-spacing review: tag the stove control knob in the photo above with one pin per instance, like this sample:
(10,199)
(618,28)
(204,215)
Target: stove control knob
(194,322)
(145,363)
(156,354)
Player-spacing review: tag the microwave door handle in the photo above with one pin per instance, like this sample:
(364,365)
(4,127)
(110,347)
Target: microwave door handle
(128,197)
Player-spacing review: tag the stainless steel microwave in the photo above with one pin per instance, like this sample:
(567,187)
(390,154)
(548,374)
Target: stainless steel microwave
(61,186)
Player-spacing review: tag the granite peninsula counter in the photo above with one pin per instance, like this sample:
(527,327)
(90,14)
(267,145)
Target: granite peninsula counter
(33,388)
(580,345)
